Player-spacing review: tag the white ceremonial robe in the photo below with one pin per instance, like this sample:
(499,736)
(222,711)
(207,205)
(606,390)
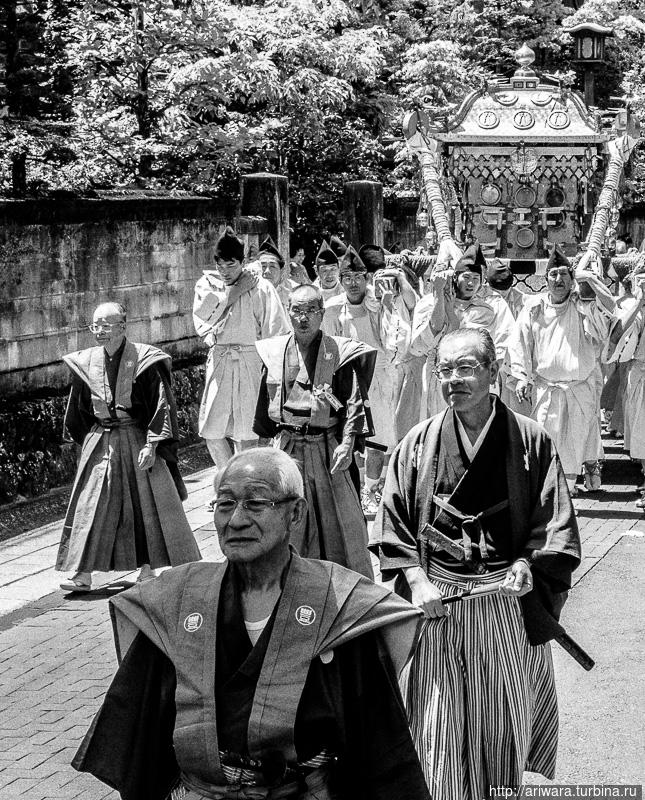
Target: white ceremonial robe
(327,294)
(630,350)
(516,300)
(233,368)
(488,311)
(386,330)
(556,348)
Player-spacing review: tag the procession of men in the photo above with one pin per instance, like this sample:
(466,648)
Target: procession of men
(395,456)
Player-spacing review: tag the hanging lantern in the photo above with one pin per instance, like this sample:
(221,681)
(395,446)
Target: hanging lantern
(590,41)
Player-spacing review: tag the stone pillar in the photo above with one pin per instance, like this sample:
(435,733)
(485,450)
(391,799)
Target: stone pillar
(364,212)
(266,195)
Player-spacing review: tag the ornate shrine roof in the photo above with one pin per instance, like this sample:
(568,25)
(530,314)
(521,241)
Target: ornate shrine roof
(518,109)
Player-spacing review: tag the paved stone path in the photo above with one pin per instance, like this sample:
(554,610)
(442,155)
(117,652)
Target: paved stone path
(56,653)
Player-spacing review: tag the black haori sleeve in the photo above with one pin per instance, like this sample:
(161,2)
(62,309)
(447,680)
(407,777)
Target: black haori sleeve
(263,425)
(129,744)
(78,414)
(378,761)
(154,407)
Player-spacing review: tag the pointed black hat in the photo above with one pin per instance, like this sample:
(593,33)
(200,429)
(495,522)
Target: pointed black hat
(269,246)
(339,247)
(558,259)
(373,257)
(472,260)
(326,255)
(351,262)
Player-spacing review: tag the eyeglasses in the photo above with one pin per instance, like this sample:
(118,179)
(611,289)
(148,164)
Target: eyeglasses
(461,370)
(353,280)
(108,327)
(253,506)
(307,311)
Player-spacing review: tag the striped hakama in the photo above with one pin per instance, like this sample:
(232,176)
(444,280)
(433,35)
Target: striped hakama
(481,700)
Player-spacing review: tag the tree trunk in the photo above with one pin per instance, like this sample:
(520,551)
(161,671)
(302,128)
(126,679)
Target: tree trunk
(19,173)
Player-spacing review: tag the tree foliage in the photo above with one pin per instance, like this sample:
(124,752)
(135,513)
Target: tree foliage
(190,94)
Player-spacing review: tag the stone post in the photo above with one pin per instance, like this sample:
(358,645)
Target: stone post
(364,212)
(266,195)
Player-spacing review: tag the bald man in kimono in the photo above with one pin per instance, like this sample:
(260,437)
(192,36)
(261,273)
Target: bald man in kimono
(480,691)
(312,404)
(126,505)
(554,354)
(232,309)
(264,676)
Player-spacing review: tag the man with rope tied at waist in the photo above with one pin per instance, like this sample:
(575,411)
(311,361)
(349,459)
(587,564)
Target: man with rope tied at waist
(480,691)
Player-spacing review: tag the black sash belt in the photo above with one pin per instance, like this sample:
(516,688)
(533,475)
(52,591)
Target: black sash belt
(303,430)
(471,524)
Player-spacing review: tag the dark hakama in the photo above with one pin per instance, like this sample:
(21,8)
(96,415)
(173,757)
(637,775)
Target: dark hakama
(336,529)
(120,517)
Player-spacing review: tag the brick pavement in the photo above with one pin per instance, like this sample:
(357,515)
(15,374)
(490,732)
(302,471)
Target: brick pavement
(57,658)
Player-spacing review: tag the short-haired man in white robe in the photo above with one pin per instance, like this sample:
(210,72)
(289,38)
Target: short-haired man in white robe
(233,308)
(553,354)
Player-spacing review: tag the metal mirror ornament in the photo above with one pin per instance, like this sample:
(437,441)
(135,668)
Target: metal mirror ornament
(490,194)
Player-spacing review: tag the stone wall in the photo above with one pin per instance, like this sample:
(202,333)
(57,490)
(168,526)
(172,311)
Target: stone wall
(59,259)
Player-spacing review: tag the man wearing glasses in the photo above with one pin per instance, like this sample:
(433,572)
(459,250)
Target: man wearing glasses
(265,676)
(126,505)
(312,404)
(554,355)
(480,693)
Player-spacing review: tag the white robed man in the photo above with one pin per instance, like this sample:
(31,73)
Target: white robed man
(328,272)
(233,308)
(627,347)
(554,356)
(266,676)
(375,309)
(480,691)
(499,280)
(272,268)
(313,404)
(454,301)
(126,505)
